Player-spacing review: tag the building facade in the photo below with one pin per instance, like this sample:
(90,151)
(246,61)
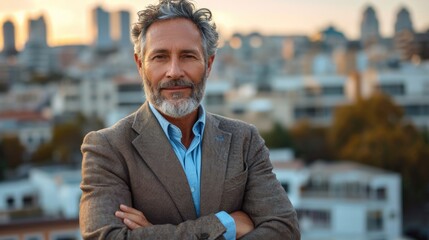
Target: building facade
(343,200)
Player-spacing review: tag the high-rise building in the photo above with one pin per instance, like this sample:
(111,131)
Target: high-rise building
(9,38)
(101,24)
(124,23)
(369,28)
(120,23)
(403,21)
(36,56)
(37,33)
(405,37)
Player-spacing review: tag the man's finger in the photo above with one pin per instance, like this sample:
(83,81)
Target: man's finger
(130,224)
(127,209)
(138,219)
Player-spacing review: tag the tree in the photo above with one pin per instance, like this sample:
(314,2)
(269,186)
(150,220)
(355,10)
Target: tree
(375,132)
(309,142)
(11,152)
(43,154)
(277,137)
(66,140)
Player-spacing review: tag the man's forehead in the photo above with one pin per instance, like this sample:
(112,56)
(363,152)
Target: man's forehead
(171,27)
(178,33)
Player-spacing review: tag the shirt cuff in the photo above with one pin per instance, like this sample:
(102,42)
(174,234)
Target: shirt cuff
(229,224)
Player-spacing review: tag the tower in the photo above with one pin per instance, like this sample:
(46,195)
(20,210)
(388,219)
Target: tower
(101,24)
(120,23)
(124,38)
(37,34)
(369,29)
(406,40)
(36,55)
(403,21)
(9,47)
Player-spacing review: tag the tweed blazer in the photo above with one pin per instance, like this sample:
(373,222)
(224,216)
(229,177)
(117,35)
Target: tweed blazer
(133,163)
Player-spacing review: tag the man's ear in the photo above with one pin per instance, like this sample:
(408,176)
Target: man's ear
(210,61)
(138,61)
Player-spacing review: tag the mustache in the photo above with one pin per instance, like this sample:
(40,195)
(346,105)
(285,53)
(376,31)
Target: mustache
(176,83)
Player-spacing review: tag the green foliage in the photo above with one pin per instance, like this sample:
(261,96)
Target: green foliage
(43,79)
(66,140)
(309,142)
(277,137)
(374,132)
(11,152)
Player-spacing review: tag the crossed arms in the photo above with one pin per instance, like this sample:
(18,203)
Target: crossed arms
(264,213)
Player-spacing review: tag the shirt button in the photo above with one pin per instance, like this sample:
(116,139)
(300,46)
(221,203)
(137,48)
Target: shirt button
(192,189)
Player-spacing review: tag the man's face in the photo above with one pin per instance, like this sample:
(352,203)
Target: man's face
(173,69)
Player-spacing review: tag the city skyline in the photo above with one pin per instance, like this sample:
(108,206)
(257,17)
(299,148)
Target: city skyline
(72,24)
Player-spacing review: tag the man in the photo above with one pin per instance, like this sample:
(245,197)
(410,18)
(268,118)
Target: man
(171,170)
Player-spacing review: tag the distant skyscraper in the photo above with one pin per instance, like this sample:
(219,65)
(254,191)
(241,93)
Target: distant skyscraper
(120,23)
(369,28)
(101,23)
(9,38)
(36,56)
(333,38)
(403,21)
(37,34)
(124,38)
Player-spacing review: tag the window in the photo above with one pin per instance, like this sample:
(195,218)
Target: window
(333,90)
(316,218)
(312,111)
(9,238)
(394,89)
(416,110)
(65,235)
(381,193)
(374,220)
(286,187)
(214,99)
(28,201)
(38,236)
(10,202)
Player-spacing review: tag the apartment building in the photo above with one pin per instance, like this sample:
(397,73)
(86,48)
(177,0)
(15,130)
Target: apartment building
(44,206)
(343,200)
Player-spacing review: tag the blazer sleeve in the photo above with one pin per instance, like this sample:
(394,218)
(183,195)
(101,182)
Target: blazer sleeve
(265,200)
(105,185)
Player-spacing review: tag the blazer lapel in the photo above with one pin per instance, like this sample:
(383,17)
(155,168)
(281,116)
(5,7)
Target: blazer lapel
(155,149)
(214,159)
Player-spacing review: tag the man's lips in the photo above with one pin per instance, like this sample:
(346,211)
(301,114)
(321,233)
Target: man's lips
(175,88)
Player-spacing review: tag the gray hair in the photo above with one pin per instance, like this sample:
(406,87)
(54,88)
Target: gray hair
(169,9)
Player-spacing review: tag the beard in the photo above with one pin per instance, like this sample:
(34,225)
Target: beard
(179,105)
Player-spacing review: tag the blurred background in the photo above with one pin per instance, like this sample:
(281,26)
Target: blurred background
(338,89)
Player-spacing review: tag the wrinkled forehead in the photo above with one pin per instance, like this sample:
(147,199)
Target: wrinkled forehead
(173,33)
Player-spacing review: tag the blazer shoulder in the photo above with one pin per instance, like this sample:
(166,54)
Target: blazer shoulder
(117,133)
(120,127)
(233,125)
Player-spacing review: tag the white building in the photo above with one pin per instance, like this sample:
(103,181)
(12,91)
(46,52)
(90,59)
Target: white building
(49,192)
(92,95)
(32,128)
(343,200)
(334,201)
(315,97)
(44,206)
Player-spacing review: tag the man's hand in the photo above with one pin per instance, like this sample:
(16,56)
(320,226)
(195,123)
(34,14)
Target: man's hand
(131,217)
(243,223)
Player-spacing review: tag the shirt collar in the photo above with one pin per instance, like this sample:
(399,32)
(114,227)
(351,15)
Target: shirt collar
(170,128)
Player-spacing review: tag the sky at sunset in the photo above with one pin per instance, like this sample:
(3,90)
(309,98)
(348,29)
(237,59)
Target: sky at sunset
(70,21)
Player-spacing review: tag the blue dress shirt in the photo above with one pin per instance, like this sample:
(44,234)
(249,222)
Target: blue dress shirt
(190,159)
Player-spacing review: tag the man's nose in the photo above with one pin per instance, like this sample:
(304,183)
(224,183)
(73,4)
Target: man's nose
(175,70)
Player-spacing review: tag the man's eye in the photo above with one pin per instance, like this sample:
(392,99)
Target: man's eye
(189,56)
(159,57)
